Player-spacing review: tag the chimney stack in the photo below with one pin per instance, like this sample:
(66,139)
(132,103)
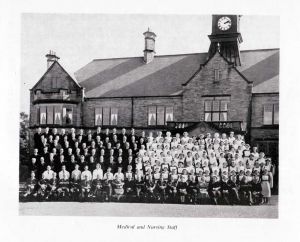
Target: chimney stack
(149,50)
(51,58)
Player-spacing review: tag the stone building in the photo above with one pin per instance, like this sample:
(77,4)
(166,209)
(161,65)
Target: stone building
(224,89)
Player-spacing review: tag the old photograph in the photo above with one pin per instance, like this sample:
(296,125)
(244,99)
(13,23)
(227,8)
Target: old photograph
(149,115)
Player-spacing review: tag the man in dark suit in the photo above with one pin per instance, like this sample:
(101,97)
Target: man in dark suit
(37,138)
(122,135)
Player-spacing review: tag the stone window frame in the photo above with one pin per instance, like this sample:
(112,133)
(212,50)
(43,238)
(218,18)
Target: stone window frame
(274,114)
(109,116)
(157,114)
(219,111)
(54,107)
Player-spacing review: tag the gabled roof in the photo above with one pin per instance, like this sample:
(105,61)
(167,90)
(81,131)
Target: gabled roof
(56,67)
(164,76)
(208,60)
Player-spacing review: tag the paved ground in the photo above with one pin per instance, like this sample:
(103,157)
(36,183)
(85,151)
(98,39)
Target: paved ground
(149,210)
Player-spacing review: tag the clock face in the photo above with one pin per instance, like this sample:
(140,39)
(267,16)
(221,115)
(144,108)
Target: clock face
(224,23)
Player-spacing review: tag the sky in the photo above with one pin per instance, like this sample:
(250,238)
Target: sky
(79,38)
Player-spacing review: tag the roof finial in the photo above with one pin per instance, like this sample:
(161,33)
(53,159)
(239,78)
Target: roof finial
(219,47)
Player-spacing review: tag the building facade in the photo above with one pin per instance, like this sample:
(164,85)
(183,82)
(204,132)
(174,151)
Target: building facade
(224,89)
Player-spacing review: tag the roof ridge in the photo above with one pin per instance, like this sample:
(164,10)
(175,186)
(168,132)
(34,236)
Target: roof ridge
(169,55)
(156,56)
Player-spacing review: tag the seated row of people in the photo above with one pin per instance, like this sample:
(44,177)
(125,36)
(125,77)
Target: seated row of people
(150,186)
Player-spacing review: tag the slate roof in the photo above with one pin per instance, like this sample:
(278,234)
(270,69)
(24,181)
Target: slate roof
(56,70)
(164,76)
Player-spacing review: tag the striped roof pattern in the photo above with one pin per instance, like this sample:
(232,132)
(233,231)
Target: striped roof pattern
(164,76)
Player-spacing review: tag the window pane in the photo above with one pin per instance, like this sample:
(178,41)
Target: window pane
(169,114)
(114,116)
(276,113)
(215,116)
(217,75)
(57,115)
(207,117)
(98,116)
(43,115)
(152,115)
(223,116)
(216,105)
(268,110)
(106,114)
(68,115)
(224,105)
(207,105)
(160,115)
(50,115)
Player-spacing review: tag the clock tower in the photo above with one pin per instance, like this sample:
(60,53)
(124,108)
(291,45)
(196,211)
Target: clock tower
(226,37)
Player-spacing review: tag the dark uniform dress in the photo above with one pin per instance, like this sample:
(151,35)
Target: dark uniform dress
(225,189)
(214,191)
(193,190)
(256,192)
(182,190)
(233,192)
(150,188)
(245,190)
(172,189)
(161,186)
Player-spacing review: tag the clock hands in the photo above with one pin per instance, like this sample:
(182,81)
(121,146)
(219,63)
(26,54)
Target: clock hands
(227,22)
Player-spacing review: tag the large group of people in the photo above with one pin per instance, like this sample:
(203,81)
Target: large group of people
(82,165)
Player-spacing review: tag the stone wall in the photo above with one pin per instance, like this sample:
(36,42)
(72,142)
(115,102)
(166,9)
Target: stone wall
(230,83)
